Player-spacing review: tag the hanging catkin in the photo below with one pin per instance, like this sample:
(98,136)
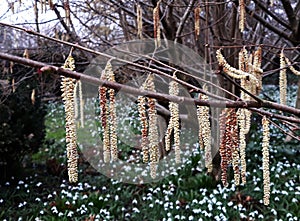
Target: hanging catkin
(139,21)
(156,23)
(242,15)
(197,11)
(292,69)
(282,79)
(174,121)
(265,153)
(242,140)
(67,88)
(204,126)
(112,114)
(108,116)
(153,131)
(144,127)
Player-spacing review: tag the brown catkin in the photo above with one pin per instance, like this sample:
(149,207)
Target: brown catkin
(197,11)
(222,149)
(144,127)
(156,23)
(104,116)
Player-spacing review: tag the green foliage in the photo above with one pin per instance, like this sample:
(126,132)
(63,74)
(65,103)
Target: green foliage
(188,194)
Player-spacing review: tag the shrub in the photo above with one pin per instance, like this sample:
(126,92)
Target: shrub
(21,119)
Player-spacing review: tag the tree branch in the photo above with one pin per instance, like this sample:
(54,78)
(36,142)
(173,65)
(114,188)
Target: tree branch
(136,91)
(267,24)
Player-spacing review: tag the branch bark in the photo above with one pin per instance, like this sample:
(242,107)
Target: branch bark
(137,91)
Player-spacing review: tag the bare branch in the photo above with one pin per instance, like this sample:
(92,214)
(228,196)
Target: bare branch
(137,91)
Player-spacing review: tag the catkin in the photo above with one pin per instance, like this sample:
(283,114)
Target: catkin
(153,131)
(265,153)
(139,19)
(292,69)
(282,79)
(156,23)
(174,122)
(242,17)
(144,127)
(222,149)
(67,88)
(242,140)
(204,124)
(197,11)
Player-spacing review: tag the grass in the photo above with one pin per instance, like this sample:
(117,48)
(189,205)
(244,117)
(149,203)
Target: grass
(188,194)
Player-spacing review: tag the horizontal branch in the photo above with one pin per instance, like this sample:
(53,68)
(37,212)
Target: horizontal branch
(156,95)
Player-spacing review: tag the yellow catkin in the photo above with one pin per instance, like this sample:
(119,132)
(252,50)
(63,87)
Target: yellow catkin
(153,130)
(242,15)
(282,79)
(174,122)
(242,140)
(197,11)
(144,127)
(156,23)
(75,101)
(81,104)
(139,18)
(204,124)
(257,57)
(292,69)
(265,153)
(231,71)
(201,144)
(67,87)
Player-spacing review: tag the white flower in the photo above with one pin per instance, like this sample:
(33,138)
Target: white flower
(191,218)
(70,214)
(134,201)
(230,203)
(136,210)
(60,214)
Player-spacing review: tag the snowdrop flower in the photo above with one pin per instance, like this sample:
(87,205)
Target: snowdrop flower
(70,214)
(136,210)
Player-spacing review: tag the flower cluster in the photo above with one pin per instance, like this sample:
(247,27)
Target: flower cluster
(67,88)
